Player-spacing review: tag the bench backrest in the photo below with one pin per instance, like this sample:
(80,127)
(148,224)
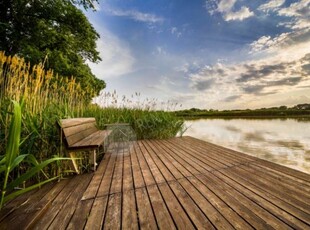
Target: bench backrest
(76,129)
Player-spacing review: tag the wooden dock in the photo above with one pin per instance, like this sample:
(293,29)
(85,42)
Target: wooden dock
(178,183)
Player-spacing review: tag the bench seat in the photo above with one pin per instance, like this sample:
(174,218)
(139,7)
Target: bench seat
(94,140)
(79,134)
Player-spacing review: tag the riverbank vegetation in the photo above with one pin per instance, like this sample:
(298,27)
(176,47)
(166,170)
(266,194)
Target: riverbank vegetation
(300,110)
(47,97)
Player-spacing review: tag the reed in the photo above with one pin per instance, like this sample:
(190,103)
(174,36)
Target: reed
(48,97)
(12,160)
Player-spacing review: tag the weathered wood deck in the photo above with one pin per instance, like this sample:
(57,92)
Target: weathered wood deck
(180,183)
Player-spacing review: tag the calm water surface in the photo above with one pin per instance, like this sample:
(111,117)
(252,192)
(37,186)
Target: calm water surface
(286,142)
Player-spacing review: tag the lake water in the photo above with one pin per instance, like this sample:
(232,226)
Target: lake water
(283,141)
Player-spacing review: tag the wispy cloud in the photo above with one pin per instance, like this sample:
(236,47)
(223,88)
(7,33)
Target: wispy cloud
(271,5)
(226,8)
(117,58)
(175,31)
(135,15)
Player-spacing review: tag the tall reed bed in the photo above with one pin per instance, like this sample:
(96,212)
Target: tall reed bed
(48,97)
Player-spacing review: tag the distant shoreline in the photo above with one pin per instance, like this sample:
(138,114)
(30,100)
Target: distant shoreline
(301,111)
(298,117)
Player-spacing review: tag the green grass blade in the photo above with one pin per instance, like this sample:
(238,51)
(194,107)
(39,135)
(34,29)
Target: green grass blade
(14,135)
(32,172)
(22,191)
(17,160)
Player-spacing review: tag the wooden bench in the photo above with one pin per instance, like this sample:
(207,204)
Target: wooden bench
(81,134)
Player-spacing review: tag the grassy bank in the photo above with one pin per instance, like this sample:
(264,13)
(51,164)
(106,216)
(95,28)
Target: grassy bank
(298,111)
(47,97)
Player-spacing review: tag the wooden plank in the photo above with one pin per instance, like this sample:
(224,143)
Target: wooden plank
(81,214)
(237,205)
(154,152)
(179,216)
(269,197)
(215,217)
(68,208)
(260,200)
(282,177)
(145,212)
(95,139)
(275,191)
(241,157)
(76,137)
(113,216)
(160,151)
(129,211)
(292,172)
(203,163)
(117,180)
(195,214)
(136,170)
(146,172)
(288,177)
(279,187)
(215,158)
(27,210)
(190,162)
(106,182)
(80,128)
(93,187)
(76,121)
(264,214)
(151,164)
(97,214)
(59,202)
(163,218)
(226,211)
(167,153)
(127,175)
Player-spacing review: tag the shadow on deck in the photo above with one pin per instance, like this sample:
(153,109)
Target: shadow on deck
(180,183)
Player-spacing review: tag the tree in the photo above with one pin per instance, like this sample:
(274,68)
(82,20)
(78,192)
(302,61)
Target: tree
(55,31)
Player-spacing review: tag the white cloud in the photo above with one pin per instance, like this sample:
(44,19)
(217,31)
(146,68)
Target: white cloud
(226,8)
(299,12)
(117,59)
(271,5)
(135,15)
(266,43)
(175,31)
(240,15)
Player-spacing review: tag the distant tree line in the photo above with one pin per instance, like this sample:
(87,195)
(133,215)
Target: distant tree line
(54,32)
(281,111)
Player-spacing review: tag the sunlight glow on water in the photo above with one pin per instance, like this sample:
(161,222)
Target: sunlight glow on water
(286,142)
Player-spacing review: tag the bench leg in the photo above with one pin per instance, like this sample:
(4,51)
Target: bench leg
(73,159)
(95,160)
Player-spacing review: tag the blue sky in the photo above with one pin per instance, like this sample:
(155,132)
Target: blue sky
(219,54)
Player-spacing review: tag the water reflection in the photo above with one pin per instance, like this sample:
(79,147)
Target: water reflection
(283,141)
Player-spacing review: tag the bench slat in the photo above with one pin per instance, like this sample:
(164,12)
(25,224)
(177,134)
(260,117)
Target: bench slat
(64,123)
(76,137)
(69,131)
(82,134)
(94,140)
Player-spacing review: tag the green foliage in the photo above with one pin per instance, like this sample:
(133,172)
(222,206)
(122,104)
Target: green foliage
(55,32)
(282,111)
(146,124)
(12,160)
(48,98)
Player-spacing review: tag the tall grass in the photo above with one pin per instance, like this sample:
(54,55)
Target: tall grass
(12,160)
(48,97)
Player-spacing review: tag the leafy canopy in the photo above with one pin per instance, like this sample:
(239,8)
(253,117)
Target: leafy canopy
(55,31)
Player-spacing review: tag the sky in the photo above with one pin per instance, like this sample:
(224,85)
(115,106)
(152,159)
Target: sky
(215,54)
